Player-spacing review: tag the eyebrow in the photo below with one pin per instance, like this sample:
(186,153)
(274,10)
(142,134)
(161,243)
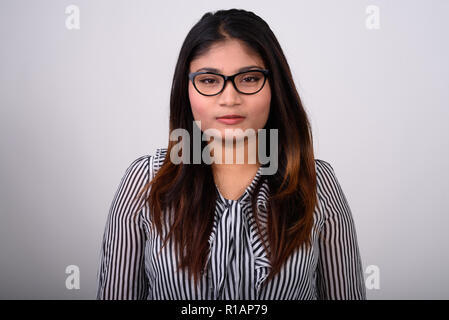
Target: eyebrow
(218,71)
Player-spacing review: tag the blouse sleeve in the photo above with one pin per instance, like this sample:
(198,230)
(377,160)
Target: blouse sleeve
(121,272)
(339,269)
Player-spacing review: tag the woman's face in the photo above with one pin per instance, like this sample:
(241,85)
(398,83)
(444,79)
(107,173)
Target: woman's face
(228,57)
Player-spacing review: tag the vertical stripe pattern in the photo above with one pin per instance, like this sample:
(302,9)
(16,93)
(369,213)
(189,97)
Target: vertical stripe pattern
(132,264)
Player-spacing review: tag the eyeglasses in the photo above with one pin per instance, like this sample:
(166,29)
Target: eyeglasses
(246,82)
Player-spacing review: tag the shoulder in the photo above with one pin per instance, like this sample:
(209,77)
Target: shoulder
(139,172)
(327,182)
(329,188)
(136,173)
(158,158)
(323,168)
(145,165)
(138,165)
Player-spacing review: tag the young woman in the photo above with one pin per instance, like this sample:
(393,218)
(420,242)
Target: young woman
(224,230)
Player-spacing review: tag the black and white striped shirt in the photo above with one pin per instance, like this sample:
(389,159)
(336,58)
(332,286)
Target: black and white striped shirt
(130,267)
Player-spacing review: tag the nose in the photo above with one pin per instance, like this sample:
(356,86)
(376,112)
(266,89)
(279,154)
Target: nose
(229,95)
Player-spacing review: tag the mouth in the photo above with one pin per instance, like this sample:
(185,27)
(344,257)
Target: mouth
(231,116)
(231,119)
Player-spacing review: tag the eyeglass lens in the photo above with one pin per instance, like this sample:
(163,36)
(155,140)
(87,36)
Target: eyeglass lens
(248,82)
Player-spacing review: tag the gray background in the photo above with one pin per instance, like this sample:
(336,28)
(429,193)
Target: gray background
(78,106)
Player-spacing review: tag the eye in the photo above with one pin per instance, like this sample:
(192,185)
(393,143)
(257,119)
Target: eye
(207,81)
(251,79)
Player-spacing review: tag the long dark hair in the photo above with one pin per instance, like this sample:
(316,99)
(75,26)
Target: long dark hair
(185,189)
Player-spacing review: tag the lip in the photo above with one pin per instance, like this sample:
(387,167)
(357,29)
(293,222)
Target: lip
(231,119)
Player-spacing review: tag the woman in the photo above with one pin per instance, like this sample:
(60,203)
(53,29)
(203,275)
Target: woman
(224,230)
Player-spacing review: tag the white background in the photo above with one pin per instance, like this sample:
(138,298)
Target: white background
(78,106)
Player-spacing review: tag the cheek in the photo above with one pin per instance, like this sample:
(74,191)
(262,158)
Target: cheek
(199,106)
(262,109)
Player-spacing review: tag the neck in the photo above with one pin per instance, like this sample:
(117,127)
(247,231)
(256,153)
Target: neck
(234,155)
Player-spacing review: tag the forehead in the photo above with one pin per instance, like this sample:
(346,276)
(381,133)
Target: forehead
(227,56)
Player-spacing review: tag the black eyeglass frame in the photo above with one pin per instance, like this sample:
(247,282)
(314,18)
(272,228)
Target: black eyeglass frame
(192,76)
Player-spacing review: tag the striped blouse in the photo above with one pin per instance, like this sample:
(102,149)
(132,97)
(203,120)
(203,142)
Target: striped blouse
(131,267)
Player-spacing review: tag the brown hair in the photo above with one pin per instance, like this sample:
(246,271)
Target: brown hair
(186,188)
